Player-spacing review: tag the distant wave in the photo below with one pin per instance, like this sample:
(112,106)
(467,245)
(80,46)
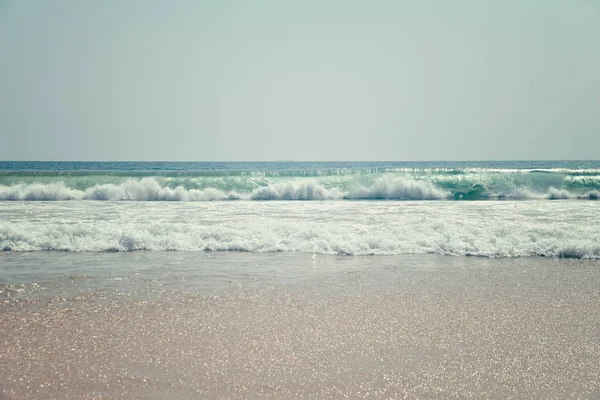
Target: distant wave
(385,187)
(573,172)
(394,188)
(147,189)
(306,190)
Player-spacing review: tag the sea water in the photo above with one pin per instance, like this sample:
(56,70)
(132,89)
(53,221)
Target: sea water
(180,280)
(319,209)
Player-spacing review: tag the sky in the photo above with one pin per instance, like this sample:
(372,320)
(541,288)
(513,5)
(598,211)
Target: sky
(223,80)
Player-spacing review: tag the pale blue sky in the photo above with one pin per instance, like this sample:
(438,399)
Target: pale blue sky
(304,80)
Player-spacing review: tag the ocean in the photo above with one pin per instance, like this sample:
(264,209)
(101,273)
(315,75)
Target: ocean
(299,279)
(490,209)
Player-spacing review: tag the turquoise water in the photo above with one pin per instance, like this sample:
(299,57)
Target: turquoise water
(343,208)
(200,181)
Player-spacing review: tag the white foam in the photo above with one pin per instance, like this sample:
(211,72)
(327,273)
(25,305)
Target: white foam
(149,189)
(146,189)
(490,229)
(398,188)
(385,187)
(295,190)
(559,194)
(39,191)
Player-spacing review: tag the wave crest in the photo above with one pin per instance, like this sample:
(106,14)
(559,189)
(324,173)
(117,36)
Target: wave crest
(397,188)
(40,192)
(146,189)
(387,187)
(295,191)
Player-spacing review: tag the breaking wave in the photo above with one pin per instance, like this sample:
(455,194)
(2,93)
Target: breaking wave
(358,228)
(385,187)
(147,189)
(328,209)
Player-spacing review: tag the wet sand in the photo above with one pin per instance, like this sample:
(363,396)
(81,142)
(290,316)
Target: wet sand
(398,327)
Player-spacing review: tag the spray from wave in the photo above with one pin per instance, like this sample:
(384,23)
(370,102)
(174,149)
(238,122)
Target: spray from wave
(147,189)
(383,187)
(295,191)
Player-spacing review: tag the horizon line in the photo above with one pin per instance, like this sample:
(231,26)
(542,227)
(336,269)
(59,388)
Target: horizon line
(293,161)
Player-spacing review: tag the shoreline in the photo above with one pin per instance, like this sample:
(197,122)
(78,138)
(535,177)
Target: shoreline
(373,327)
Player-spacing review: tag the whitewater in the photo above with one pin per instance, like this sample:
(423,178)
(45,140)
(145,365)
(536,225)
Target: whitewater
(501,209)
(490,229)
(47,181)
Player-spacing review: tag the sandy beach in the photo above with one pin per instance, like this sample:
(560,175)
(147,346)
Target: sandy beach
(359,327)
(299,200)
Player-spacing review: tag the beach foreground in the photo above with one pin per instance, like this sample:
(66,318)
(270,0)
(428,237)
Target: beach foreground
(300,326)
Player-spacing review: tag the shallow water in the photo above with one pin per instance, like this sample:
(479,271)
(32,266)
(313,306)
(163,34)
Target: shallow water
(42,277)
(158,325)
